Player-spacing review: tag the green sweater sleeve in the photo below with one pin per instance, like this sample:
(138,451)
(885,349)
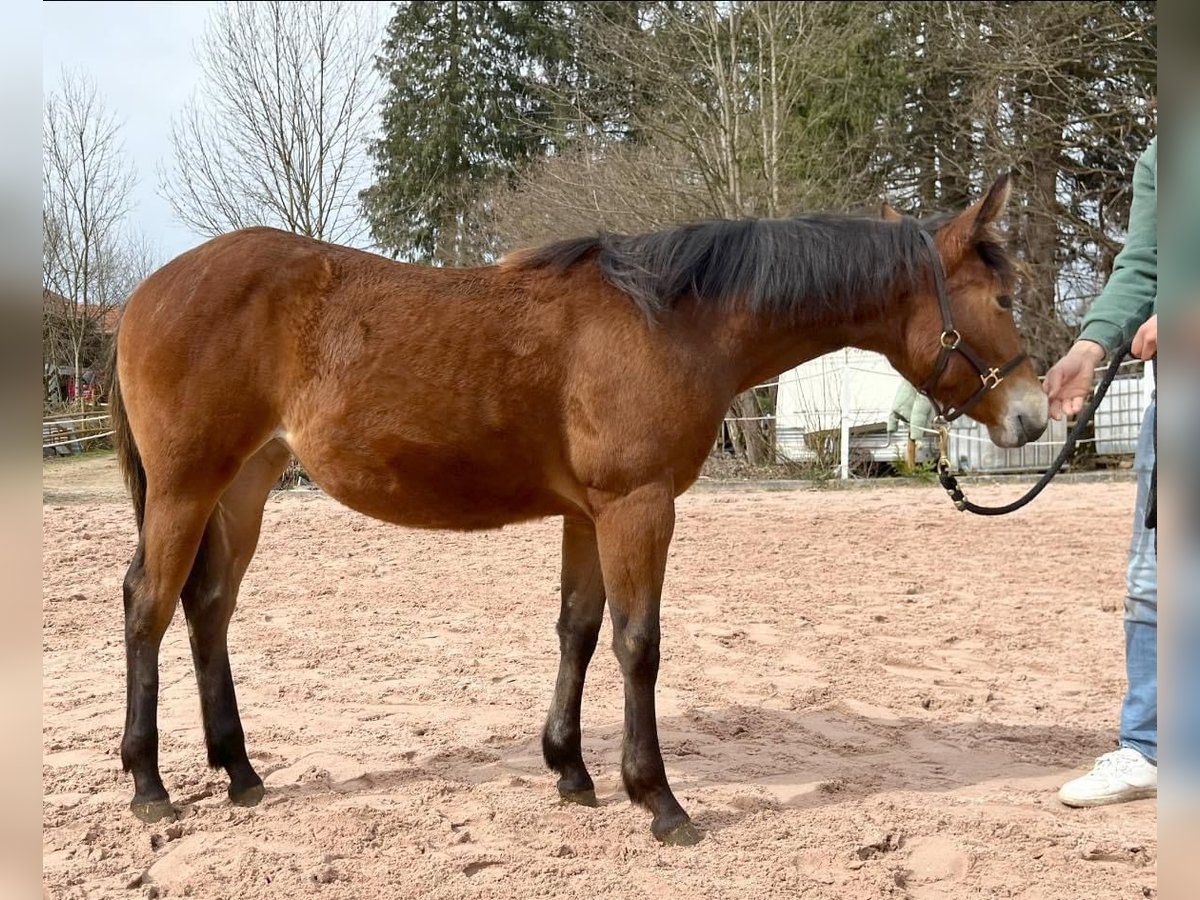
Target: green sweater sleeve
(1130,296)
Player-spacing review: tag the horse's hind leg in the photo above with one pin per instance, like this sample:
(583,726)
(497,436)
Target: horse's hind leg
(578,629)
(171,532)
(209,598)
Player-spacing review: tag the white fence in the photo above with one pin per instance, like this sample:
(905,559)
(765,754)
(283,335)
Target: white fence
(837,407)
(67,434)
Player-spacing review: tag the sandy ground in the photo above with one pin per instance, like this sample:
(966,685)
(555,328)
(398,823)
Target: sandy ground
(863,694)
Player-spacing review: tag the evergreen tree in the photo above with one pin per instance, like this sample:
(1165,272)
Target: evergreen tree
(458,114)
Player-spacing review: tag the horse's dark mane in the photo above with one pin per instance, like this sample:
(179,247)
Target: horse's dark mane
(806,267)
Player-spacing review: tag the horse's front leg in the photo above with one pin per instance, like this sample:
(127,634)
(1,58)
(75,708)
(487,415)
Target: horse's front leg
(633,534)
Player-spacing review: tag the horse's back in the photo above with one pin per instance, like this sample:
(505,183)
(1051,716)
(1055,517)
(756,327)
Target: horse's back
(421,395)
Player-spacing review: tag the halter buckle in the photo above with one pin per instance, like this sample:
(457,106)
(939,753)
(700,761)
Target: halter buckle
(991,379)
(951,339)
(943,433)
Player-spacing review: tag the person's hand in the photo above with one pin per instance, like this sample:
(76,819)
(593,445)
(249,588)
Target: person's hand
(1145,342)
(1070,379)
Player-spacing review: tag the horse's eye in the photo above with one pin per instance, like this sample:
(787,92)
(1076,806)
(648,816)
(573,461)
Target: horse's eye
(1005,301)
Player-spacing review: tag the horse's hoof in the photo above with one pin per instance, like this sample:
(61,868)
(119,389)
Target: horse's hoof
(250,796)
(583,798)
(151,811)
(685,835)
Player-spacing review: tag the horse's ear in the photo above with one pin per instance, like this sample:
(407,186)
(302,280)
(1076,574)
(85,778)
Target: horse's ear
(975,223)
(991,207)
(888,214)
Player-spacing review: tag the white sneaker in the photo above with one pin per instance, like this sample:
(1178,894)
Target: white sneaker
(1117,777)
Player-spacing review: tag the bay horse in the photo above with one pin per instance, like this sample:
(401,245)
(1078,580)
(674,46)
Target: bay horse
(585,379)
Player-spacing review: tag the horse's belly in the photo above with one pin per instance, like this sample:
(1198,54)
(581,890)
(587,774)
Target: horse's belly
(440,490)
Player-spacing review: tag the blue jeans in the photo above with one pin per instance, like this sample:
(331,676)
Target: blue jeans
(1139,712)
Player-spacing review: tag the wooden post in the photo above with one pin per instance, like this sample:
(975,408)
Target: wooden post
(912,454)
(844,468)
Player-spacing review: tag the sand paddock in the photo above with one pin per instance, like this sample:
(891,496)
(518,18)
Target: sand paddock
(863,694)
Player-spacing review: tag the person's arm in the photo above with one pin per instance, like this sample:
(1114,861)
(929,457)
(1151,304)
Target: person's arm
(1128,298)
(1124,306)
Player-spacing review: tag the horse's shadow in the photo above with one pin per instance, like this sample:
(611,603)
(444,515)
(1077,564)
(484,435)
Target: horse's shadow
(773,759)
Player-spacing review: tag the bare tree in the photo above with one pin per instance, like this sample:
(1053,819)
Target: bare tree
(585,190)
(89,261)
(277,135)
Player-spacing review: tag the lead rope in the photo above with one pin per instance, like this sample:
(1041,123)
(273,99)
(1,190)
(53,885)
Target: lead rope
(950,483)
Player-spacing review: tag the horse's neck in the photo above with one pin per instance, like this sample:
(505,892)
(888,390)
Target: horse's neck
(759,350)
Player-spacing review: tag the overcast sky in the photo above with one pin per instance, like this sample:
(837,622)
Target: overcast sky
(141,57)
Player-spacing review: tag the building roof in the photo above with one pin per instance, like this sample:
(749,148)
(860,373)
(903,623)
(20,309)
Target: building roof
(55,302)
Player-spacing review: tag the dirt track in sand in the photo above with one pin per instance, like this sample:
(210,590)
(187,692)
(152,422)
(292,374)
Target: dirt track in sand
(863,694)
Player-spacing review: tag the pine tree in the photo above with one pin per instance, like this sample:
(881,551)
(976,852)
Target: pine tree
(458,114)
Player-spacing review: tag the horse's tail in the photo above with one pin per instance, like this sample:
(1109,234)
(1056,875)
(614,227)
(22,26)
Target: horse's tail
(128,457)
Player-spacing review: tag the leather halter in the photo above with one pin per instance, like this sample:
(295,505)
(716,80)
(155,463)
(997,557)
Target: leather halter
(952,342)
